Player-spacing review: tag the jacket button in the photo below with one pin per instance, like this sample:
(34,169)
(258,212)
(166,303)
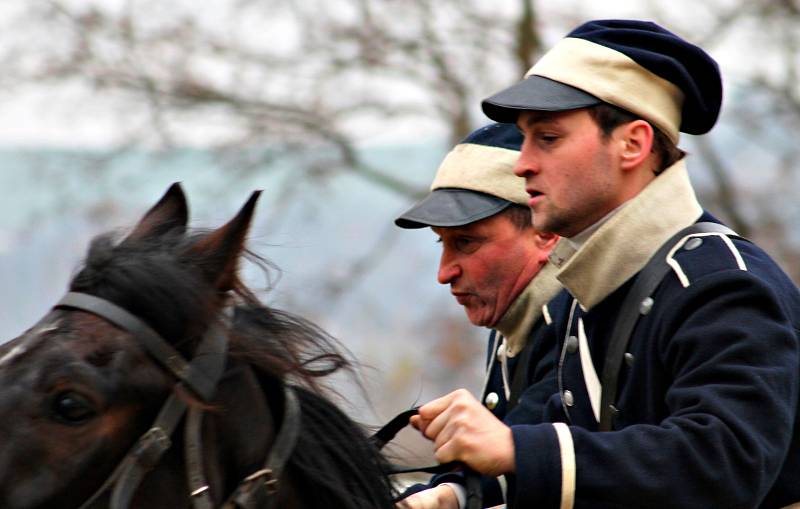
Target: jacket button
(501,352)
(491,400)
(693,243)
(569,399)
(572,344)
(646,305)
(629,358)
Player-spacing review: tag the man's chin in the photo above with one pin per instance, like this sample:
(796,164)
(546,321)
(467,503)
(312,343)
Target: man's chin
(479,320)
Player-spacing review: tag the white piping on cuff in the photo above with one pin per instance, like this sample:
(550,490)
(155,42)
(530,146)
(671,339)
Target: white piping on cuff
(567,465)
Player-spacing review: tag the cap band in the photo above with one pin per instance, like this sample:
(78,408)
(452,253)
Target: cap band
(616,79)
(484,169)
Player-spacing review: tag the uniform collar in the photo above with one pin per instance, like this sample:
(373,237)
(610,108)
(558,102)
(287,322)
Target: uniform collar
(580,239)
(515,325)
(621,247)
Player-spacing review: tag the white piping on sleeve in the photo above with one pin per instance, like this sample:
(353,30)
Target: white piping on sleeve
(568,469)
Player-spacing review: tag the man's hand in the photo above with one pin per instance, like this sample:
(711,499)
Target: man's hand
(438,497)
(464,430)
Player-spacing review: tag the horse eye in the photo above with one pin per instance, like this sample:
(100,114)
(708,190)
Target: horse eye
(72,408)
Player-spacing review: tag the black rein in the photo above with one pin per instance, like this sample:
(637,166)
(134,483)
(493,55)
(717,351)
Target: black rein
(472,479)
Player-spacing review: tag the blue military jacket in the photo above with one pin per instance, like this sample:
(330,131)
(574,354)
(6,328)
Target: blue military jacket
(708,394)
(525,358)
(537,365)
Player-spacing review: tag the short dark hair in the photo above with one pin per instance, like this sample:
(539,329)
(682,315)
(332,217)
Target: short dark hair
(609,117)
(519,215)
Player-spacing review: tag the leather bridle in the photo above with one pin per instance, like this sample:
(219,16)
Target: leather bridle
(201,375)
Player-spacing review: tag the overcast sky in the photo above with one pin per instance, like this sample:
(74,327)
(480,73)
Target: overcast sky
(70,116)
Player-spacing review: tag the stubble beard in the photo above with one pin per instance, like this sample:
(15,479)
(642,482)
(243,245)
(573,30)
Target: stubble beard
(555,220)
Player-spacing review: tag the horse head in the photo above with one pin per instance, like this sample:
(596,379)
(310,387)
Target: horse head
(160,381)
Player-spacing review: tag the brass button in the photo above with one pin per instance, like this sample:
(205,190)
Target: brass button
(491,400)
(629,358)
(646,305)
(572,344)
(569,399)
(693,243)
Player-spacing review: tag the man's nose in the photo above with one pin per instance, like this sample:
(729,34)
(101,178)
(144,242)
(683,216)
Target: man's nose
(448,271)
(528,162)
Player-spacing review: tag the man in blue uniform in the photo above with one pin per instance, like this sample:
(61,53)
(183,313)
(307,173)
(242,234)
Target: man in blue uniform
(495,263)
(697,404)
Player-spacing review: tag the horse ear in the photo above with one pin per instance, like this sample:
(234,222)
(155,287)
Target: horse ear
(170,213)
(219,251)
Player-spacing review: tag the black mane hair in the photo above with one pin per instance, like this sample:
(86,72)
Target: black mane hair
(158,279)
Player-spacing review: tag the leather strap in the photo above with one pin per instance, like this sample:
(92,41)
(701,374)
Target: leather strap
(200,376)
(472,479)
(389,430)
(646,283)
(199,489)
(147,452)
(254,492)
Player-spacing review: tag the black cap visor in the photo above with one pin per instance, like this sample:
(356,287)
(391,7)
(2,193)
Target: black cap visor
(535,93)
(451,207)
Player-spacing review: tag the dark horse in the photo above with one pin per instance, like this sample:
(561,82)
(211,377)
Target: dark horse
(160,381)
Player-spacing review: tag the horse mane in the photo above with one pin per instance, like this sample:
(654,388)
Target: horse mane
(323,476)
(333,464)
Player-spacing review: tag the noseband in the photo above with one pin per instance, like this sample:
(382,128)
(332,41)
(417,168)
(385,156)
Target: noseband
(201,375)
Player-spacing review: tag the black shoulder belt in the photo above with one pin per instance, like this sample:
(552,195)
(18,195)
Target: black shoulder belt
(644,286)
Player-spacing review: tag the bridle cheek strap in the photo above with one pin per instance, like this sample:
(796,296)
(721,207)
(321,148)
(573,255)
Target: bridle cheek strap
(201,376)
(258,489)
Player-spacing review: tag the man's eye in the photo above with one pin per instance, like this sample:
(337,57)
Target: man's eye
(466,245)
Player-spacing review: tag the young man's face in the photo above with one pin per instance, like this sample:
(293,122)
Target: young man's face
(570,170)
(487,264)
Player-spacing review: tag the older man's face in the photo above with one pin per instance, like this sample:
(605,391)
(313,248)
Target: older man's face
(487,264)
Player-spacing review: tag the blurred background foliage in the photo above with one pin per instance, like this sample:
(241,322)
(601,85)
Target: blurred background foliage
(341,109)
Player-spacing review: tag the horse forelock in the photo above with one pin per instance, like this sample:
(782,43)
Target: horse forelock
(152,279)
(160,280)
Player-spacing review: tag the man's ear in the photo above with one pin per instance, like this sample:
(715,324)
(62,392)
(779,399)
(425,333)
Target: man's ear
(636,139)
(546,240)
